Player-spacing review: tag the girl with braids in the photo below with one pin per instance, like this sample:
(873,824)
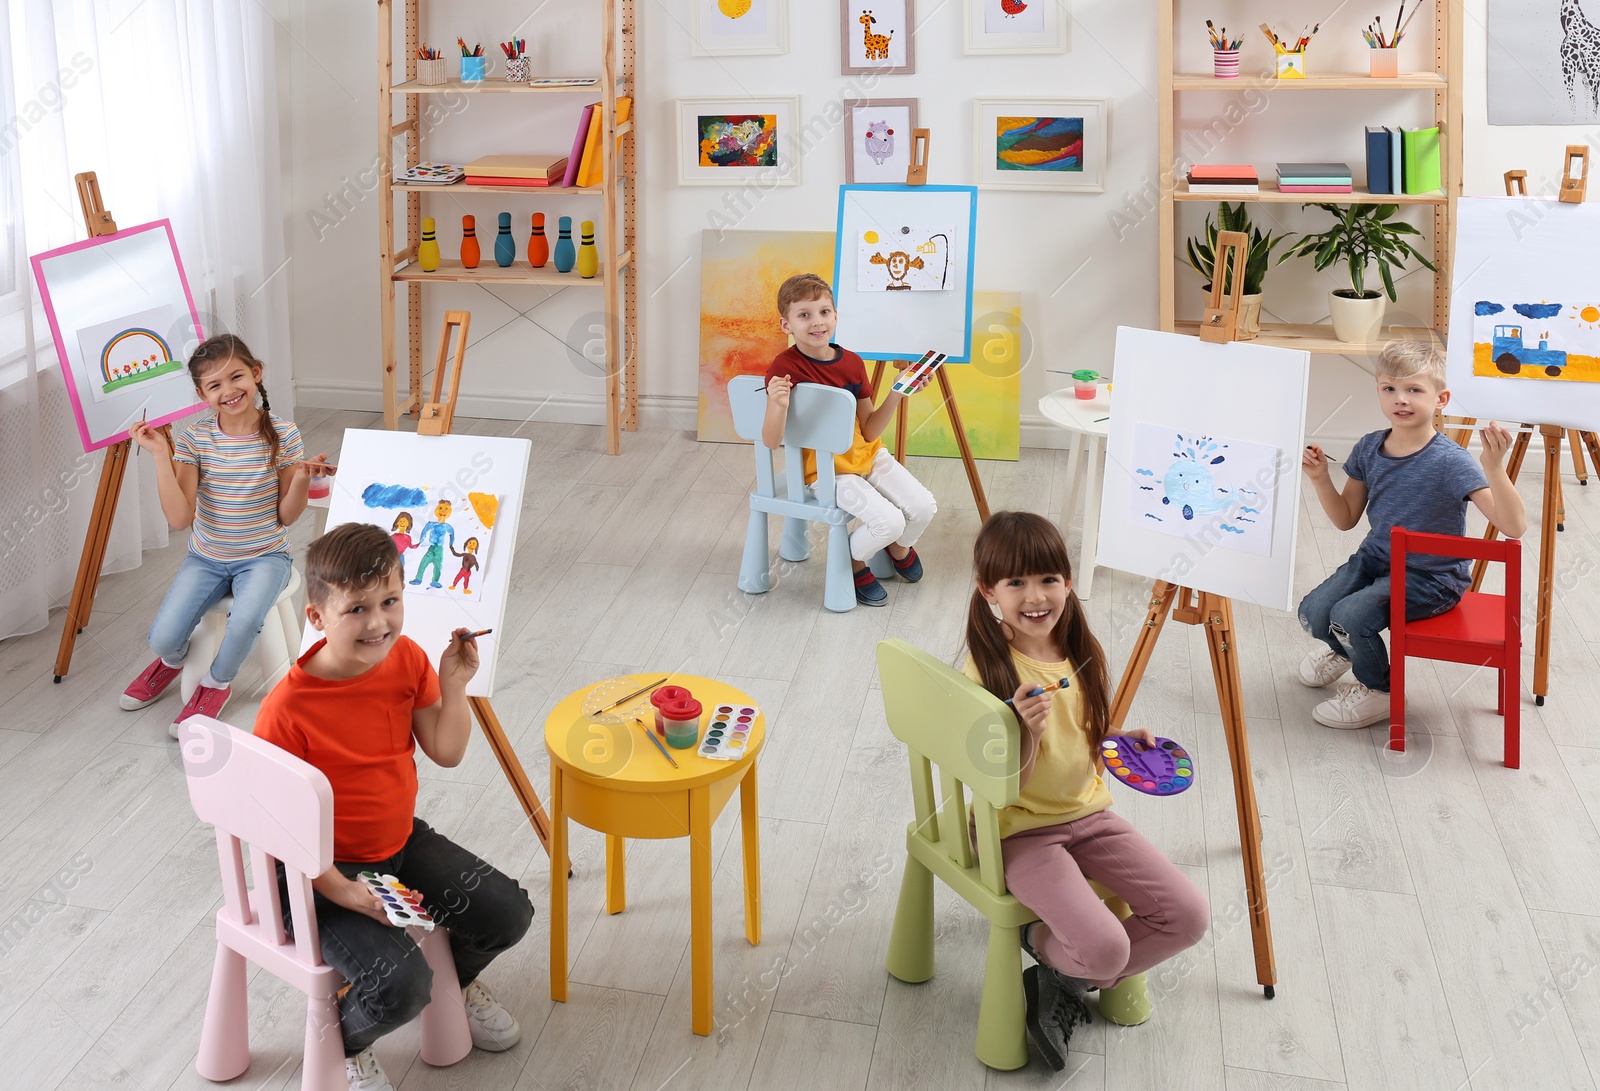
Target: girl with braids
(1026,630)
(234,477)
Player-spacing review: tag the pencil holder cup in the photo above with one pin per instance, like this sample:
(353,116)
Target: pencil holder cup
(474,69)
(1292,66)
(1225,64)
(518,69)
(431,73)
(1385,63)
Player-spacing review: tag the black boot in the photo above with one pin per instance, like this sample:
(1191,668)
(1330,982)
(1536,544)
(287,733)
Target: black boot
(1053,1012)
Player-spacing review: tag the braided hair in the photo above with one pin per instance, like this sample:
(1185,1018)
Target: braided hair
(215,352)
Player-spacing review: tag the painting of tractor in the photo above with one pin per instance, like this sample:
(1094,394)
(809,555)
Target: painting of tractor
(1510,353)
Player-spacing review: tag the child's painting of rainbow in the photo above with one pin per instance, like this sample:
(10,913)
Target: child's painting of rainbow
(442,533)
(1190,485)
(128,351)
(738,140)
(1536,340)
(1039,143)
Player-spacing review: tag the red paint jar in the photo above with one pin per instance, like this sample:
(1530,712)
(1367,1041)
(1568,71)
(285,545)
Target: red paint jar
(667,695)
(682,722)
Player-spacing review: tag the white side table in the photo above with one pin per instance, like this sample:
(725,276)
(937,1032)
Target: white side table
(1090,423)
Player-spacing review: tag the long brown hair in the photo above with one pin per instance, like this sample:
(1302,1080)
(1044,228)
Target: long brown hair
(1020,543)
(217,351)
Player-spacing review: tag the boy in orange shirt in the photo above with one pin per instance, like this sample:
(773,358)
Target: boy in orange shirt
(356,706)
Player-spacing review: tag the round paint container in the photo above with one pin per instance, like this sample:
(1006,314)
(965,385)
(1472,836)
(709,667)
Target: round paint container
(681,719)
(667,695)
(319,487)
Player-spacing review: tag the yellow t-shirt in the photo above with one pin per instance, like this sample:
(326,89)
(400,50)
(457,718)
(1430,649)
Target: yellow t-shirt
(1065,785)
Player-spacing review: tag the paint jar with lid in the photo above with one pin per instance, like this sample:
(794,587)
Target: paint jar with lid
(681,719)
(664,696)
(319,487)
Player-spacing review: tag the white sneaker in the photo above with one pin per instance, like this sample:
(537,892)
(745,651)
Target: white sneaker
(364,1073)
(1321,667)
(1355,706)
(492,1027)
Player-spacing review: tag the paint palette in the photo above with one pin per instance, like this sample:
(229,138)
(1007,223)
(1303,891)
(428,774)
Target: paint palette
(729,730)
(400,902)
(1164,769)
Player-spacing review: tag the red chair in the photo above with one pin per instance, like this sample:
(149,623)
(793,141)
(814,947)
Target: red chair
(1482,630)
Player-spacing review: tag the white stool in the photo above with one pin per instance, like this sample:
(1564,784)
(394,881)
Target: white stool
(1090,423)
(275,649)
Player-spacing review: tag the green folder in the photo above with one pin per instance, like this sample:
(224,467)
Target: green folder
(1421,150)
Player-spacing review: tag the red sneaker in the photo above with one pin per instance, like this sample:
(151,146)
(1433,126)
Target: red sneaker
(149,686)
(204,701)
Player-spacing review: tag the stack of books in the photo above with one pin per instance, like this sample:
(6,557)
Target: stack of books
(1314,178)
(1403,160)
(1223,178)
(516,170)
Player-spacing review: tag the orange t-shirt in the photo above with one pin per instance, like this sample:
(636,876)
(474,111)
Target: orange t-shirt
(358,732)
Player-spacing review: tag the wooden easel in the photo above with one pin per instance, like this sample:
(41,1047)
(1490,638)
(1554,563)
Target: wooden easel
(1220,323)
(98,221)
(1216,614)
(436,419)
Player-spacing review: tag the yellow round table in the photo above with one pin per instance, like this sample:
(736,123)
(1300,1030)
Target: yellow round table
(609,778)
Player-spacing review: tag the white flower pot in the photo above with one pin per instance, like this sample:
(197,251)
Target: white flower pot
(1357,321)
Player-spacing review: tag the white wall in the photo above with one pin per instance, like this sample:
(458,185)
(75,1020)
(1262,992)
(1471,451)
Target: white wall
(1084,264)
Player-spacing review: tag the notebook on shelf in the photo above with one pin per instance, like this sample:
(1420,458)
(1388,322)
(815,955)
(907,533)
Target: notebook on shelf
(1378,167)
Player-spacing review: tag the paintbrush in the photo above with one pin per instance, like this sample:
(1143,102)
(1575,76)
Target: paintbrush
(313,463)
(651,736)
(1065,683)
(631,696)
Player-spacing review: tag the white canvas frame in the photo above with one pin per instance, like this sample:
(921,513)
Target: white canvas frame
(1092,179)
(712,34)
(787,171)
(1180,382)
(1054,38)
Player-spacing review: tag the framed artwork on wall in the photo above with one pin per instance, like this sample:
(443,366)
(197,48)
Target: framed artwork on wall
(1043,144)
(877,139)
(875,36)
(1016,26)
(727,142)
(738,28)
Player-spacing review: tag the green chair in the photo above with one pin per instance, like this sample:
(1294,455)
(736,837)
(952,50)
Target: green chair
(947,720)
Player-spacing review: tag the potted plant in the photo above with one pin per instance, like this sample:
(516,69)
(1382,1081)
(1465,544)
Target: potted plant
(1202,257)
(1361,235)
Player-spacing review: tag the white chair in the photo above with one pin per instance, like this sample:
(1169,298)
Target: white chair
(821,418)
(275,648)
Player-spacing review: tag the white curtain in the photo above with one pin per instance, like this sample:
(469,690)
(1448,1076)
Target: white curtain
(174,105)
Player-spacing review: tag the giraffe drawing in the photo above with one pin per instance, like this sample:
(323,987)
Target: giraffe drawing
(876,45)
(1580,52)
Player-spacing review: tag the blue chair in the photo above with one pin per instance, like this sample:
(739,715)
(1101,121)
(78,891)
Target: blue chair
(821,418)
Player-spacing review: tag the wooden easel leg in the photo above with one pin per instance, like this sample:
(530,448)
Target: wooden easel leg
(1575,441)
(1519,450)
(966,448)
(94,553)
(1161,597)
(512,768)
(1591,443)
(902,415)
(1547,563)
(1217,617)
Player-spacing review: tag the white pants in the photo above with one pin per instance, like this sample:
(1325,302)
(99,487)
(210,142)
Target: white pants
(892,505)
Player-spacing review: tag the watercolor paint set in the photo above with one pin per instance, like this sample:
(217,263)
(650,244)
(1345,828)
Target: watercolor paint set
(1161,770)
(400,902)
(728,732)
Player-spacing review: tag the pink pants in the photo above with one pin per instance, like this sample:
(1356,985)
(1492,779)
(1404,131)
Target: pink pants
(1049,869)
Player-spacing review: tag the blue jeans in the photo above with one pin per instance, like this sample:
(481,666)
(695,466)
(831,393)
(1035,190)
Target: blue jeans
(485,911)
(1349,611)
(255,584)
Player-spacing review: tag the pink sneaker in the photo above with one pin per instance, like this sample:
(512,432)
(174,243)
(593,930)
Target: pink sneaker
(149,686)
(204,701)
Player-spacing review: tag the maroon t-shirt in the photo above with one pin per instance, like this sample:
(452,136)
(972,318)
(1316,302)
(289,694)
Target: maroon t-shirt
(846,371)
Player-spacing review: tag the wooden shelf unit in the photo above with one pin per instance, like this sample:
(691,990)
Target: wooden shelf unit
(618,277)
(1444,84)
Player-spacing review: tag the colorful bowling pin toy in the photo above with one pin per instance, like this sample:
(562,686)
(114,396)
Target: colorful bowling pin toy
(538,245)
(565,254)
(469,243)
(505,247)
(428,249)
(588,256)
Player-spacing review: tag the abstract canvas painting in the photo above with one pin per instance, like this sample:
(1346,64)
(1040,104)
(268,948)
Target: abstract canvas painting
(1032,144)
(1039,143)
(1544,62)
(728,142)
(909,259)
(738,140)
(1192,485)
(442,533)
(1536,340)
(988,391)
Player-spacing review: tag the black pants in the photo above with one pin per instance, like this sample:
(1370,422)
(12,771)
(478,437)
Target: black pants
(485,911)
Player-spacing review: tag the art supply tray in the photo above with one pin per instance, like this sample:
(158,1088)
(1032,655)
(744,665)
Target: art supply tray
(1161,770)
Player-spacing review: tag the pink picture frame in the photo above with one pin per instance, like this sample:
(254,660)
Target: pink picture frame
(132,278)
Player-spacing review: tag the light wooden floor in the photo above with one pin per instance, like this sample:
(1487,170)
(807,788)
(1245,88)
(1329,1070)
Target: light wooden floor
(1437,916)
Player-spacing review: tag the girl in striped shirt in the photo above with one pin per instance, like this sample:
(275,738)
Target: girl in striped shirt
(239,478)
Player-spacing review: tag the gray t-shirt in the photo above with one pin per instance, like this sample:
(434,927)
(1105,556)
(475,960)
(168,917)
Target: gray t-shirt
(1426,491)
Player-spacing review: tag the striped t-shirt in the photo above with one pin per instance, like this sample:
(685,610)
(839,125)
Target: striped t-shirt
(236,505)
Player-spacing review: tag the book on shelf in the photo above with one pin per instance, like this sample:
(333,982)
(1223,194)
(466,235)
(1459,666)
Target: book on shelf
(571,176)
(1217,187)
(591,171)
(543,167)
(524,183)
(1217,172)
(1378,167)
(1314,174)
(1421,147)
(430,174)
(1397,161)
(1289,187)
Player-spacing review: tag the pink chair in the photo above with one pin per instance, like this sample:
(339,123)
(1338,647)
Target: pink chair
(255,793)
